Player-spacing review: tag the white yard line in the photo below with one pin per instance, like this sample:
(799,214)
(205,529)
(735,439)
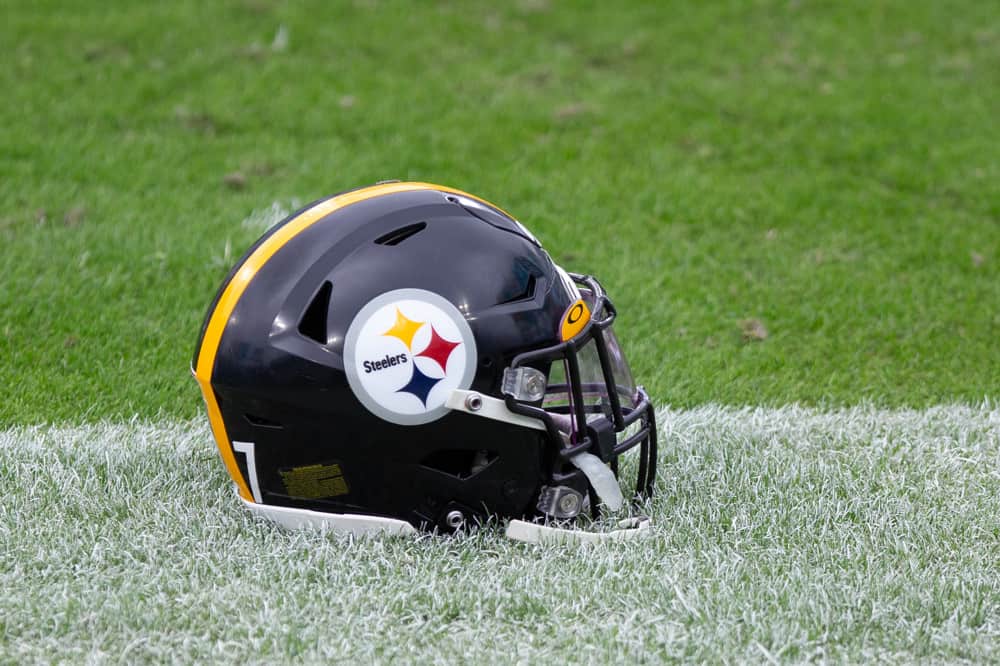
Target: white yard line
(789,535)
(789,422)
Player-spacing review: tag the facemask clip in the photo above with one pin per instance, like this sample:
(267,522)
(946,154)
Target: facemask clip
(525,384)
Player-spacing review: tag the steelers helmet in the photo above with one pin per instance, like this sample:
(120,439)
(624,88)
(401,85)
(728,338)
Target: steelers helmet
(407,357)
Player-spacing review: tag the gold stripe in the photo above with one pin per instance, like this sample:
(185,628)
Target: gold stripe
(238,284)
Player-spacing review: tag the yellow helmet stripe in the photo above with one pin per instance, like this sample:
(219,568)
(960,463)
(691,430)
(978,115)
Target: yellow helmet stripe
(241,280)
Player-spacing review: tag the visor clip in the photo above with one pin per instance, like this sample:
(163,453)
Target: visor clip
(601,433)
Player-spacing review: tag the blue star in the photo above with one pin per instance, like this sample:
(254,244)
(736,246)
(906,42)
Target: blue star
(420,385)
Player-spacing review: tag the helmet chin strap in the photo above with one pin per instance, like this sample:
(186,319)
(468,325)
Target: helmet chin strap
(630,528)
(605,484)
(601,479)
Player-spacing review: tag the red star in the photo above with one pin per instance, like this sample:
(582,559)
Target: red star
(439,350)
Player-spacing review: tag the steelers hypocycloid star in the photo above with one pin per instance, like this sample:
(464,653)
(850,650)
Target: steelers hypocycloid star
(438,349)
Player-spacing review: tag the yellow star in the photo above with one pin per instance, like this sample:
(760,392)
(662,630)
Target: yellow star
(404,329)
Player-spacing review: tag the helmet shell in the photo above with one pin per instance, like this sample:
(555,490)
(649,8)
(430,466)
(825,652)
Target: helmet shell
(272,357)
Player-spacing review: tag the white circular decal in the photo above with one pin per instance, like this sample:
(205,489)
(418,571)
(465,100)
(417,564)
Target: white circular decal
(405,352)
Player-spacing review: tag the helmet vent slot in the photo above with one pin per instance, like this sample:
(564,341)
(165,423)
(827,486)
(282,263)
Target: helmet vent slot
(261,422)
(313,322)
(526,294)
(460,463)
(397,236)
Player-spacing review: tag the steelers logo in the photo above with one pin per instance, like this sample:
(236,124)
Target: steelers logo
(405,352)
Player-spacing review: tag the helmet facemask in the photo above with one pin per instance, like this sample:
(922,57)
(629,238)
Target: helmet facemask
(583,392)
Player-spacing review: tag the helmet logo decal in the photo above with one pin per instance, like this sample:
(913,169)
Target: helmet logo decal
(439,350)
(404,328)
(405,352)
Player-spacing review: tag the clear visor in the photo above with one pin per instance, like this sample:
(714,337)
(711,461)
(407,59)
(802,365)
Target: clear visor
(595,374)
(593,385)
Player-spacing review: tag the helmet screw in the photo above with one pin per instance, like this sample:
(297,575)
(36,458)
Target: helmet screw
(569,504)
(474,402)
(454,519)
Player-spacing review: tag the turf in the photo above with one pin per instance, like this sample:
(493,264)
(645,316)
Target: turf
(790,201)
(855,536)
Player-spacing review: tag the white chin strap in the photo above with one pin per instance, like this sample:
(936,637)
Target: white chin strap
(601,478)
(521,530)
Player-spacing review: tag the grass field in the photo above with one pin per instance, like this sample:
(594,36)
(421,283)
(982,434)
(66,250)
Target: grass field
(792,203)
(854,535)
(827,169)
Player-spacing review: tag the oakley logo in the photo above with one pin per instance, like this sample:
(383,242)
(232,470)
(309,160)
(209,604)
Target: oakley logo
(576,317)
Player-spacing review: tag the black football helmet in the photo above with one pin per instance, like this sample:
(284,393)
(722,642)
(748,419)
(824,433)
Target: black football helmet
(407,356)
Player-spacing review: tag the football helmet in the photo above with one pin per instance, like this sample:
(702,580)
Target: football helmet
(407,357)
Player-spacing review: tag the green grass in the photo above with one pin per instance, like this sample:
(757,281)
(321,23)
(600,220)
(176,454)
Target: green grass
(791,535)
(829,169)
(823,171)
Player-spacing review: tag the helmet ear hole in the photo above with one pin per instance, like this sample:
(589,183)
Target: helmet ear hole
(313,322)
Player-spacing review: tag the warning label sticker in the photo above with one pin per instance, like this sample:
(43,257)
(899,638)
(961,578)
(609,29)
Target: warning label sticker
(315,481)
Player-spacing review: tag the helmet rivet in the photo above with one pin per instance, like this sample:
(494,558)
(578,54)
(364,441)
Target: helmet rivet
(454,519)
(474,402)
(569,504)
